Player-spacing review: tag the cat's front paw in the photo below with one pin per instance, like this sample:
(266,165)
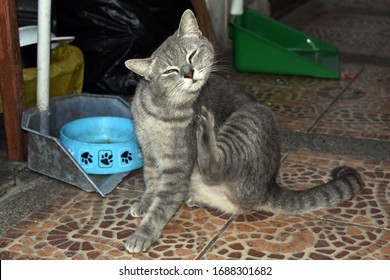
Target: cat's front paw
(205,124)
(138,209)
(191,203)
(138,242)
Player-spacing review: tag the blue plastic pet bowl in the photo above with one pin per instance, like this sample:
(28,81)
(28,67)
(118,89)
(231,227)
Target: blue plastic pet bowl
(103,145)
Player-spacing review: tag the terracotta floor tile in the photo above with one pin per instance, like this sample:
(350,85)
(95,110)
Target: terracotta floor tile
(370,208)
(290,81)
(296,101)
(363,110)
(292,237)
(81,224)
(356,229)
(187,234)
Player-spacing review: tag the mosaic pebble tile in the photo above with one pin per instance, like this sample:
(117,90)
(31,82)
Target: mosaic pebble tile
(296,101)
(362,101)
(363,110)
(356,229)
(79,225)
(371,207)
(290,81)
(291,237)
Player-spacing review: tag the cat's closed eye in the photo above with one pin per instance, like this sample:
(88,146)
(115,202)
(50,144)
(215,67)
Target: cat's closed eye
(191,56)
(171,70)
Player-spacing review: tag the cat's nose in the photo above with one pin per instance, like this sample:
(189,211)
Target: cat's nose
(189,74)
(187,71)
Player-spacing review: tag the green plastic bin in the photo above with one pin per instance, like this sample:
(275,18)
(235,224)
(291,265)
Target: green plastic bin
(261,44)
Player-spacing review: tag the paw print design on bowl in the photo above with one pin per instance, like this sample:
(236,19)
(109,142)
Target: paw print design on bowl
(86,159)
(125,157)
(105,159)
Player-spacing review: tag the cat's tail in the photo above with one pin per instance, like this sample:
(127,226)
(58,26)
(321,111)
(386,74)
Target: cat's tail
(345,184)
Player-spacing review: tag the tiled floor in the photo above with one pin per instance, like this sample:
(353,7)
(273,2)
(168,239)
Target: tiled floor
(79,225)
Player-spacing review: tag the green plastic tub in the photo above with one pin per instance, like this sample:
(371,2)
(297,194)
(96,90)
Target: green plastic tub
(263,45)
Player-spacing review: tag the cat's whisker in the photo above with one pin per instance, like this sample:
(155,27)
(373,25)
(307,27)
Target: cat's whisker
(222,61)
(216,66)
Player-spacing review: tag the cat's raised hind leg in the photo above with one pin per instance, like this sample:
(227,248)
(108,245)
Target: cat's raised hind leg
(208,159)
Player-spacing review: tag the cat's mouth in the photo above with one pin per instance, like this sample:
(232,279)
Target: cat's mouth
(196,84)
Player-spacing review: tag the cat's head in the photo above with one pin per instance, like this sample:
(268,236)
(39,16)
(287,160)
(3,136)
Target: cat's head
(181,64)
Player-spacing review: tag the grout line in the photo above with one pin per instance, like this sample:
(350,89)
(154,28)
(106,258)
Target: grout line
(215,238)
(333,144)
(345,88)
(344,223)
(319,118)
(285,156)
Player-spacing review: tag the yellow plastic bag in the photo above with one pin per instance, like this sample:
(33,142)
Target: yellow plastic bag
(66,75)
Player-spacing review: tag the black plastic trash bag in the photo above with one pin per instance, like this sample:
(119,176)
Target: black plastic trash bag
(111,31)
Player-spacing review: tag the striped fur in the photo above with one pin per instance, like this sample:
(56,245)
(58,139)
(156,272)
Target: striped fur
(209,143)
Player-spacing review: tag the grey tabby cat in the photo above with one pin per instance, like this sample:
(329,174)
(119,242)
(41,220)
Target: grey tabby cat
(206,141)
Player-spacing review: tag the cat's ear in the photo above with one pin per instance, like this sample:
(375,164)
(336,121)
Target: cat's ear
(140,66)
(188,25)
